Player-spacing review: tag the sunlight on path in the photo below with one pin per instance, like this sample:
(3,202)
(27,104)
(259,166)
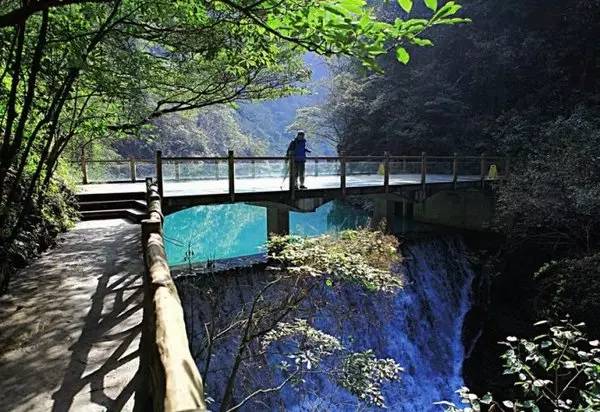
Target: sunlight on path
(70,324)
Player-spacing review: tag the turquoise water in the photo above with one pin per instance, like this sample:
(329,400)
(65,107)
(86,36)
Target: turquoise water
(228,231)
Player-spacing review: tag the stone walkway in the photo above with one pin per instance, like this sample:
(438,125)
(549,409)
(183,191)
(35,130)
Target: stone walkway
(70,325)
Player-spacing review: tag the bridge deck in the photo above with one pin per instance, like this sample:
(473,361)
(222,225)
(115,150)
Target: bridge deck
(197,188)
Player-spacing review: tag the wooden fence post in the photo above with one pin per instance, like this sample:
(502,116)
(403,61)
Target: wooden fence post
(343,175)
(159,174)
(132,173)
(177,170)
(423,170)
(455,170)
(84,171)
(231,175)
(386,172)
(292,175)
(483,167)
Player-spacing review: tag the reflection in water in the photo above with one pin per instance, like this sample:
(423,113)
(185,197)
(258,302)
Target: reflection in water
(227,231)
(331,217)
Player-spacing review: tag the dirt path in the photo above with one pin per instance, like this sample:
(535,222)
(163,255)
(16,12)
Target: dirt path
(70,326)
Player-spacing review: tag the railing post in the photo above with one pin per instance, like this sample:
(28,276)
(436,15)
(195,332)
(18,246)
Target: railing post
(404,164)
(316,167)
(423,170)
(177,170)
(84,171)
(483,167)
(132,169)
(455,170)
(343,175)
(292,175)
(159,173)
(253,169)
(231,176)
(386,172)
(217,170)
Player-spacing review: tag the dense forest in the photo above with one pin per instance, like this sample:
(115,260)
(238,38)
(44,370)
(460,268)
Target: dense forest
(523,79)
(498,85)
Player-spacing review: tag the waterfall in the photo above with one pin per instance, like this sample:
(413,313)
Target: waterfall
(431,312)
(420,327)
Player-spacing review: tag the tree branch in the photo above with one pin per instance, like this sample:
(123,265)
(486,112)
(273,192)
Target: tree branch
(263,391)
(20,15)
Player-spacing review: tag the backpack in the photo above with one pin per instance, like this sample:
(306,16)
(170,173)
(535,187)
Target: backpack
(291,148)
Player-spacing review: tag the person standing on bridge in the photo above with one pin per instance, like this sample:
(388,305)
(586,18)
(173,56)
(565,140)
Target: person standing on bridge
(297,151)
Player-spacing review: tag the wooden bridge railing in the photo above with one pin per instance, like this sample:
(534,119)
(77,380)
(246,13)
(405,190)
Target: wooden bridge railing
(171,381)
(232,167)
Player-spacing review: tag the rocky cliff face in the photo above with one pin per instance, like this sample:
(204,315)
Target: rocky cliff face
(420,327)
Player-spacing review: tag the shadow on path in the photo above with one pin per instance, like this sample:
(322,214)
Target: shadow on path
(70,328)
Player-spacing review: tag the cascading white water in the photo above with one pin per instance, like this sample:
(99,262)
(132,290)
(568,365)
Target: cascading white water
(430,312)
(420,327)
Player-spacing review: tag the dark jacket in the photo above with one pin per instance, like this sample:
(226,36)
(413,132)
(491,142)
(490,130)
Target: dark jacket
(298,149)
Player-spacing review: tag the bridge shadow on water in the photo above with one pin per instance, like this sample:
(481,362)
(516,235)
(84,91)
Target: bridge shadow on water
(71,325)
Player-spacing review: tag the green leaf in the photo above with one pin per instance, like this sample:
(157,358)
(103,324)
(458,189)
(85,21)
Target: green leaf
(402,55)
(406,5)
(486,399)
(432,4)
(353,6)
(333,10)
(421,42)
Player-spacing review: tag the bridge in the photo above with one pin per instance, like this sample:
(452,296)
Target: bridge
(150,189)
(171,380)
(117,186)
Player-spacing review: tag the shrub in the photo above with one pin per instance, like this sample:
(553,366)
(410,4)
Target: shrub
(559,370)
(570,286)
(361,256)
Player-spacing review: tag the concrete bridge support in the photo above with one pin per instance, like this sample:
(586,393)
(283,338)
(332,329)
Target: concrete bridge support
(407,209)
(462,209)
(278,220)
(384,211)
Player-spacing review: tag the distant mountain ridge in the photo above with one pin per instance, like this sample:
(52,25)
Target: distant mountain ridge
(254,128)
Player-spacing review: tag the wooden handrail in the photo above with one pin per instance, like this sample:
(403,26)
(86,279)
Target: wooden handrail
(280,158)
(292,176)
(343,176)
(344,161)
(84,170)
(455,170)
(196,158)
(386,172)
(159,174)
(424,171)
(171,381)
(231,175)
(137,160)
